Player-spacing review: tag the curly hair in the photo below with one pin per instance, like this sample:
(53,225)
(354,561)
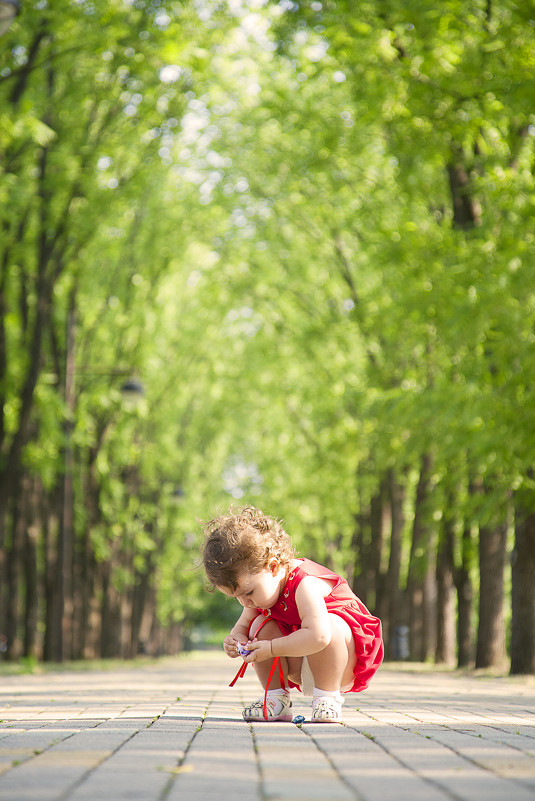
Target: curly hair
(242,541)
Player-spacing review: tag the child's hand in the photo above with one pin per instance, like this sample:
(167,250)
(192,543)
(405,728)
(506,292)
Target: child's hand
(230,645)
(260,651)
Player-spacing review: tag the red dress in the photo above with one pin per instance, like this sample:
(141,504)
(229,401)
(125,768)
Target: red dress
(341,601)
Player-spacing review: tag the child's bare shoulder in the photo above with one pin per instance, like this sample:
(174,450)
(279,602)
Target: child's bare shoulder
(315,585)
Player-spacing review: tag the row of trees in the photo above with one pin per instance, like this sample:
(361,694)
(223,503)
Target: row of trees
(87,107)
(309,231)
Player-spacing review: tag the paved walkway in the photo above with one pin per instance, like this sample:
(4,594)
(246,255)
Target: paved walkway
(172,731)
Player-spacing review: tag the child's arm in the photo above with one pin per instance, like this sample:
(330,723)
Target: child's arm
(239,631)
(315,632)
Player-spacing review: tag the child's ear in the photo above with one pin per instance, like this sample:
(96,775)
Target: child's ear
(273,565)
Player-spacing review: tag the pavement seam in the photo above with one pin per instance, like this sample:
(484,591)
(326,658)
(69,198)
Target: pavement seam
(168,786)
(260,772)
(455,726)
(38,751)
(460,730)
(65,795)
(480,765)
(405,765)
(479,727)
(357,796)
(157,717)
(410,730)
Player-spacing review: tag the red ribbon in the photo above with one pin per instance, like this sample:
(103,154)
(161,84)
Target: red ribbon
(276,661)
(240,674)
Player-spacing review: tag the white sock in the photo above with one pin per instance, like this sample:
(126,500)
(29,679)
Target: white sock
(316,692)
(278,691)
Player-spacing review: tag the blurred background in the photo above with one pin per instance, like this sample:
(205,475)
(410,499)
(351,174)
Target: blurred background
(278,253)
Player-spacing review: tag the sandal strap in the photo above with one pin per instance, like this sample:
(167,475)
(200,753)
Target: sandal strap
(266,708)
(326,708)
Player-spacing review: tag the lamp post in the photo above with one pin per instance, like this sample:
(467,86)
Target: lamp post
(8,11)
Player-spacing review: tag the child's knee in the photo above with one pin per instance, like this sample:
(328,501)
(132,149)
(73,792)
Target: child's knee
(269,630)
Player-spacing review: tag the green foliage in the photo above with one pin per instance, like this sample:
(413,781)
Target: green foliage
(251,208)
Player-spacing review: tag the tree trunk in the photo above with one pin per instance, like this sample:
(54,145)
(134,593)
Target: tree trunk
(491,629)
(523,590)
(91,496)
(418,565)
(14,574)
(53,635)
(110,641)
(359,583)
(139,601)
(3,581)
(148,622)
(30,567)
(378,522)
(466,211)
(86,569)
(465,594)
(445,643)
(9,472)
(395,617)
(430,602)
(66,530)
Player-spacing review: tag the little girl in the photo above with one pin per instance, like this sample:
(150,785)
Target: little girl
(292,609)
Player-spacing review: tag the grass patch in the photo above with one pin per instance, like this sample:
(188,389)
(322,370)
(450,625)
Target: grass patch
(31,666)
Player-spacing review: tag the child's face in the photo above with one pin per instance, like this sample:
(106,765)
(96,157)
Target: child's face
(260,590)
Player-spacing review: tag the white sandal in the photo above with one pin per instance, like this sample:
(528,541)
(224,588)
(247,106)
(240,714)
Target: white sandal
(277,708)
(327,709)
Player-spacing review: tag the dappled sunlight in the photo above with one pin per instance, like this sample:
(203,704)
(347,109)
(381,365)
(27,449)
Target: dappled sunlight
(177,724)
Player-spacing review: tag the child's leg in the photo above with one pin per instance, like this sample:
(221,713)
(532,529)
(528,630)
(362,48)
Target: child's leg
(290,665)
(333,667)
(276,704)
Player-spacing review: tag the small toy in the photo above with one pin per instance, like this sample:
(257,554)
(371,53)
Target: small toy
(298,719)
(242,650)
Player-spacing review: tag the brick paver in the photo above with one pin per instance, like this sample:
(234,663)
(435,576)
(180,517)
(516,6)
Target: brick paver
(172,731)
